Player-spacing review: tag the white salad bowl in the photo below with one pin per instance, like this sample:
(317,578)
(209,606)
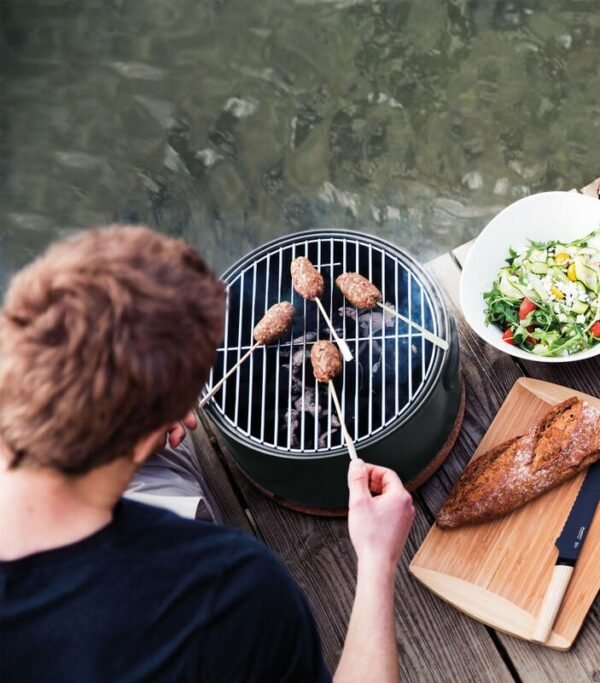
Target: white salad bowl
(564,216)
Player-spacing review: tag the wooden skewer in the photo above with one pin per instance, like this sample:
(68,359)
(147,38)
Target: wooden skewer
(344,348)
(230,372)
(433,338)
(347,437)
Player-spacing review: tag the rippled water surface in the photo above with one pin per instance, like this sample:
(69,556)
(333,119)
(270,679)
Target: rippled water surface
(231,122)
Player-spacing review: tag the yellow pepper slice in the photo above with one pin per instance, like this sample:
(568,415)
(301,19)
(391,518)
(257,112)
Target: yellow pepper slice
(561,258)
(557,293)
(572,273)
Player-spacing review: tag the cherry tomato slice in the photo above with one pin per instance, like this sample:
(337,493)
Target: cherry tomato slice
(507,336)
(595,329)
(526,307)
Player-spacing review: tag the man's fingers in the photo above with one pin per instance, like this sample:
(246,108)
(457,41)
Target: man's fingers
(366,479)
(176,430)
(176,434)
(384,480)
(190,420)
(358,482)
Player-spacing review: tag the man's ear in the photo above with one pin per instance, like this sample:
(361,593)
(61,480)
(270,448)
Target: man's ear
(148,445)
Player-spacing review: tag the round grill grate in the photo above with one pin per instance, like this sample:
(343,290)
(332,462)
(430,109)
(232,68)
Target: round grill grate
(273,400)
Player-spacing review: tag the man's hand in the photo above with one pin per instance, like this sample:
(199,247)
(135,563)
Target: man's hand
(379,519)
(176,430)
(380,513)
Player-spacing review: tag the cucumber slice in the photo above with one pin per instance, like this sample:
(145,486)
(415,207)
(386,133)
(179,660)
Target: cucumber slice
(538,255)
(586,274)
(539,268)
(508,289)
(540,292)
(559,275)
(579,307)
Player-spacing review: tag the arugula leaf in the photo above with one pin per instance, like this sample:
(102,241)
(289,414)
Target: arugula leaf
(500,309)
(512,255)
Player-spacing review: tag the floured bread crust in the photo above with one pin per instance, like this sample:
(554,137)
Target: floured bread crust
(564,442)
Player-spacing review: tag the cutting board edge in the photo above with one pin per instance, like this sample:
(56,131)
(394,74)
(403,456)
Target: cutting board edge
(552,393)
(487,607)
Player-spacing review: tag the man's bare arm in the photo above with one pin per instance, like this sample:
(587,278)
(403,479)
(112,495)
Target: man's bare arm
(379,519)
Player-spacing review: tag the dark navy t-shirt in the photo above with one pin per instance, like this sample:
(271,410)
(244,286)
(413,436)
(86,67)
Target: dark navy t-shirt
(153,597)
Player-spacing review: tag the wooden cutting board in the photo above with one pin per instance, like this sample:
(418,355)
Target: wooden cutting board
(498,572)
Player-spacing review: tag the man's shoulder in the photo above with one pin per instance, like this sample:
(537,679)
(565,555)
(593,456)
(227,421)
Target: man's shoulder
(202,558)
(166,536)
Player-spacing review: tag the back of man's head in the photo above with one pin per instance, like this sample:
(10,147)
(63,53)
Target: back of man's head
(103,339)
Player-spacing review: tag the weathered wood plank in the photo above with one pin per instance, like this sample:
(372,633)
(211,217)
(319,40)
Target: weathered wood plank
(319,554)
(218,479)
(488,375)
(531,661)
(582,375)
(461,253)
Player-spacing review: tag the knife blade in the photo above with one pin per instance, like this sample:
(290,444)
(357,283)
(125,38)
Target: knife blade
(569,544)
(571,538)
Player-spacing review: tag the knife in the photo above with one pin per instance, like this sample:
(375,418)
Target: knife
(569,545)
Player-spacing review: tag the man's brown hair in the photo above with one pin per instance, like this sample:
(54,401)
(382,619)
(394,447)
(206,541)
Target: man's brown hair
(103,339)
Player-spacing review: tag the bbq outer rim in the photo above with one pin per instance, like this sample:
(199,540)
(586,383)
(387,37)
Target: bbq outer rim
(440,359)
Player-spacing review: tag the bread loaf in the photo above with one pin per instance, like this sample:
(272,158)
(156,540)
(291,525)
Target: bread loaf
(564,442)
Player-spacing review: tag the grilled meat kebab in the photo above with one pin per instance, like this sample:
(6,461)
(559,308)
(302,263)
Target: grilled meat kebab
(359,291)
(274,323)
(306,279)
(326,361)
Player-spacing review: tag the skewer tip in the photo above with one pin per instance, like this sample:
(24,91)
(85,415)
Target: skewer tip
(346,353)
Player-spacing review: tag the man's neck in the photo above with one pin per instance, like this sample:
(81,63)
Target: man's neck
(42,509)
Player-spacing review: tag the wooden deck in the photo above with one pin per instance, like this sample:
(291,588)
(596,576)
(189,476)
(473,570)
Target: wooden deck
(437,643)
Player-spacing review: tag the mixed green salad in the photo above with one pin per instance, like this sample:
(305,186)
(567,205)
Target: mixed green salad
(547,298)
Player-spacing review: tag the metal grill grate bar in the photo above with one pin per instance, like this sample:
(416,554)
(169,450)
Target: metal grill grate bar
(303,399)
(289,420)
(239,352)
(355,350)
(277,364)
(264,363)
(370,402)
(410,340)
(251,382)
(356,368)
(383,344)
(396,370)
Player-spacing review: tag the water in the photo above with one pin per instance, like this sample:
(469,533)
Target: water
(231,122)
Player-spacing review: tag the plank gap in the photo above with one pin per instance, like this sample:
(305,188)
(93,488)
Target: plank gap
(420,500)
(456,261)
(504,654)
(254,525)
(521,367)
(237,491)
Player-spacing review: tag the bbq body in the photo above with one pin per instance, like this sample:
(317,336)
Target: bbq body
(274,323)
(359,291)
(326,361)
(306,279)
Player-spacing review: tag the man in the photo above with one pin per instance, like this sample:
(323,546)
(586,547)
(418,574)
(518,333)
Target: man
(105,342)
